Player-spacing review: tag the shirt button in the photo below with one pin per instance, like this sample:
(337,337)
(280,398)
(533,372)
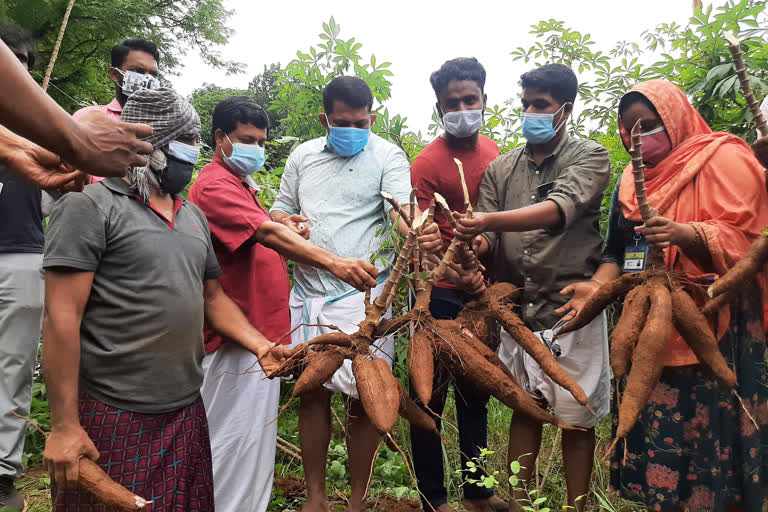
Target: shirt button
(533,196)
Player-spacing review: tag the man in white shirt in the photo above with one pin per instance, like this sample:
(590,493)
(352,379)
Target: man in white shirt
(334,184)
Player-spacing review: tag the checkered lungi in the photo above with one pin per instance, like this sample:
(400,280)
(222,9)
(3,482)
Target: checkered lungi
(161,457)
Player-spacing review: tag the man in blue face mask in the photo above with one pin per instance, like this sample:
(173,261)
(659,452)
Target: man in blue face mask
(335,182)
(252,250)
(538,222)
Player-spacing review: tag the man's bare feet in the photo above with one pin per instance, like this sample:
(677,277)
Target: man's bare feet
(360,507)
(320,506)
(492,504)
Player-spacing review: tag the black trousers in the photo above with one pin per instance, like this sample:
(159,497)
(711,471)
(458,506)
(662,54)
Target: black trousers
(471,415)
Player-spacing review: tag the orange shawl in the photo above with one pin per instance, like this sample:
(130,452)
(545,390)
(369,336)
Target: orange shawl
(711,180)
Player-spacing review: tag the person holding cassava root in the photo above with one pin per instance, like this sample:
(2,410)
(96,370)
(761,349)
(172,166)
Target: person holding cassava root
(330,193)
(458,85)
(537,222)
(130,276)
(252,250)
(695,446)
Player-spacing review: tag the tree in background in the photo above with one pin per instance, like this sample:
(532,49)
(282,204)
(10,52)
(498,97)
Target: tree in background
(80,75)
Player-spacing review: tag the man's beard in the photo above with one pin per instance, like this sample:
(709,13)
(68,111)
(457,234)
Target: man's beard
(120,95)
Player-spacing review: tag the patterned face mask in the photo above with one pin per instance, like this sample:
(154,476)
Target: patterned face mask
(133,81)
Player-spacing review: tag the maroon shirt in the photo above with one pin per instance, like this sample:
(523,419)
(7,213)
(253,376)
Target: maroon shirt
(435,171)
(255,277)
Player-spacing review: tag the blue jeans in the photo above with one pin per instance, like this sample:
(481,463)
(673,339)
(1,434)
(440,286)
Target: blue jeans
(471,414)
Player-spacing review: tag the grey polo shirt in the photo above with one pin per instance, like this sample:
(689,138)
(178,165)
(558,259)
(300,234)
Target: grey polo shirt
(141,337)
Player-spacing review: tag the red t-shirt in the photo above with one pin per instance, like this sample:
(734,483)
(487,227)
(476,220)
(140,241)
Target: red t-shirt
(254,276)
(435,171)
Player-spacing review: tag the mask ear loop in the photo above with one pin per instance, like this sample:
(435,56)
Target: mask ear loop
(562,120)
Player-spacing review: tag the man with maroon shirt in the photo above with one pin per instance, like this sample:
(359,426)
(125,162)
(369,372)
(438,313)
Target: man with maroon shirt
(248,246)
(135,64)
(458,85)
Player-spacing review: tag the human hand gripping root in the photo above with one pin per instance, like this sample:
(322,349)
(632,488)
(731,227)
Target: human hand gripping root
(94,480)
(656,302)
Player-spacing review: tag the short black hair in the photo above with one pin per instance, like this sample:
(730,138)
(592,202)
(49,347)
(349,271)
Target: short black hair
(121,51)
(556,79)
(633,97)
(237,109)
(463,68)
(350,90)
(16,37)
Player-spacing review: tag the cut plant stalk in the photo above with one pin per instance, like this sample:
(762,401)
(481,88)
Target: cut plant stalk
(467,203)
(316,361)
(657,301)
(746,88)
(760,147)
(725,290)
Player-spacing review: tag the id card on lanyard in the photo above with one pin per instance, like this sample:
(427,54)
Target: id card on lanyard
(636,256)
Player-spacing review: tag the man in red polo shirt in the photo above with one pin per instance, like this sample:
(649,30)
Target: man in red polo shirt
(458,85)
(248,246)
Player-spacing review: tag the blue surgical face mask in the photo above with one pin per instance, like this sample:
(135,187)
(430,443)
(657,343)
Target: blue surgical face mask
(245,159)
(538,128)
(184,152)
(347,141)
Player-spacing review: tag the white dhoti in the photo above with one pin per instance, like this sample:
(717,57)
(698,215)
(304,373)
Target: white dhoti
(239,407)
(344,312)
(584,356)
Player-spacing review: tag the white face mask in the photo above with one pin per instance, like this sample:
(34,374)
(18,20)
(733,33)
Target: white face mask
(463,123)
(133,81)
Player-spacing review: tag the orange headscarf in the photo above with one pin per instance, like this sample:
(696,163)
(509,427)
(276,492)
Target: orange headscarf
(710,180)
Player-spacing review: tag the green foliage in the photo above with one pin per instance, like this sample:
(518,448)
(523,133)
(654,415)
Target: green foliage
(699,62)
(693,56)
(39,414)
(80,75)
(205,99)
(299,89)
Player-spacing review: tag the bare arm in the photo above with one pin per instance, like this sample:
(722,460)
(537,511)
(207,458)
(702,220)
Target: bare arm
(33,163)
(229,321)
(66,294)
(277,236)
(544,215)
(96,144)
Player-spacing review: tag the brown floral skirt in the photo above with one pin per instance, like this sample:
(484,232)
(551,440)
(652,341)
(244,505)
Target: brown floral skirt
(695,447)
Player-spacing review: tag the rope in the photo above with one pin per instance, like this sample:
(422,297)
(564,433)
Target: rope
(57,46)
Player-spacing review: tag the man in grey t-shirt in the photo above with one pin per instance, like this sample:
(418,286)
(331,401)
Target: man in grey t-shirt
(130,277)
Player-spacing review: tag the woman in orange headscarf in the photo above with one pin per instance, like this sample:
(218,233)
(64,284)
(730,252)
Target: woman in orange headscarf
(694,446)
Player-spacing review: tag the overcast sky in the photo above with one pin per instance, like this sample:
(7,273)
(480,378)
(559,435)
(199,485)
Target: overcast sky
(417,36)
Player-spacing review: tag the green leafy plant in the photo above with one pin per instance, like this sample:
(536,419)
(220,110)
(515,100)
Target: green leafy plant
(39,414)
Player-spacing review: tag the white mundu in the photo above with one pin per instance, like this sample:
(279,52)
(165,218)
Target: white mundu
(584,356)
(346,313)
(240,409)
